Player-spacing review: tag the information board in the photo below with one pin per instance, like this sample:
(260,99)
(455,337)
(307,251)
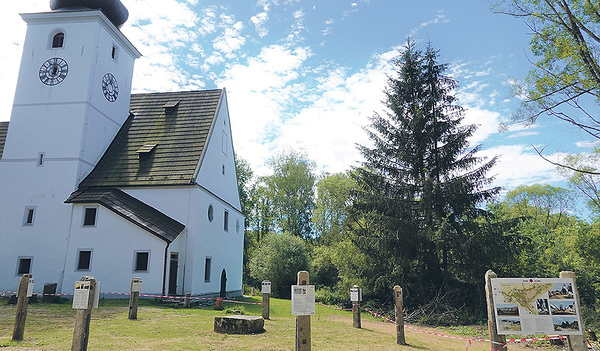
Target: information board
(303,300)
(136,285)
(81,296)
(355,294)
(266,287)
(536,306)
(30,282)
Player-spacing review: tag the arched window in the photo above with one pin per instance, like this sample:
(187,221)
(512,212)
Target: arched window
(58,40)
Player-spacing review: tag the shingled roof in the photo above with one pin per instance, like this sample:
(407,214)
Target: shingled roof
(3,131)
(161,143)
(132,209)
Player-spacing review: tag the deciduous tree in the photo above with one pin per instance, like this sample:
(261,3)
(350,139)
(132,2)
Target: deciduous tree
(291,191)
(565,41)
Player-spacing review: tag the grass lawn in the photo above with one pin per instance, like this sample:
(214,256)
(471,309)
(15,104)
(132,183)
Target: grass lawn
(50,327)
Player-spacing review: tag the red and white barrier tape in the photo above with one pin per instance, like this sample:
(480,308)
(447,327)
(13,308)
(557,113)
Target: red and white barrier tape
(467,340)
(6,293)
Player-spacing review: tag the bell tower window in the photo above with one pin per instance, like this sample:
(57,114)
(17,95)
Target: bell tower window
(58,40)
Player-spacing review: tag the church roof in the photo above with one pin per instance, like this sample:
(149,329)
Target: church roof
(161,143)
(133,210)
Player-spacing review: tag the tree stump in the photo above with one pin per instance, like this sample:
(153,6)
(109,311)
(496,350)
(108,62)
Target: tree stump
(239,325)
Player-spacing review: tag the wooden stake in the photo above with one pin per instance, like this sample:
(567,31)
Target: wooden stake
(576,342)
(186,301)
(266,300)
(303,322)
(399,316)
(83,317)
(134,297)
(22,301)
(498,341)
(356,307)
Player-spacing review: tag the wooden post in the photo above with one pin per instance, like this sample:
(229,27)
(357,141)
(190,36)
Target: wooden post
(266,298)
(355,298)
(83,317)
(303,322)
(22,301)
(186,301)
(399,316)
(134,297)
(576,342)
(498,341)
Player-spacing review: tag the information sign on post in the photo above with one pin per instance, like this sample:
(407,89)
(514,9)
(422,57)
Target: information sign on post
(355,294)
(266,287)
(303,300)
(96,295)
(136,285)
(81,295)
(536,306)
(30,287)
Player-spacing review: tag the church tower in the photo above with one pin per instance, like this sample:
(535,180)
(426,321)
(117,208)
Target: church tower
(72,97)
(73,87)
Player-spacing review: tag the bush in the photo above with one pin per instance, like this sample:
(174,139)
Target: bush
(278,259)
(330,296)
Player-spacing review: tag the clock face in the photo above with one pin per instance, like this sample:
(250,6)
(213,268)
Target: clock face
(110,88)
(53,71)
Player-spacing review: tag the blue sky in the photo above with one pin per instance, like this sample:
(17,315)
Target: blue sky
(308,74)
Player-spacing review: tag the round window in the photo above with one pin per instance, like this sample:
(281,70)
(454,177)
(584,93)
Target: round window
(211,214)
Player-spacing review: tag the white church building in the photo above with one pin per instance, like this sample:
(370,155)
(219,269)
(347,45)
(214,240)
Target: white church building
(96,181)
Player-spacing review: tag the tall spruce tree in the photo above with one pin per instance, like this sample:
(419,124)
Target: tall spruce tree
(420,185)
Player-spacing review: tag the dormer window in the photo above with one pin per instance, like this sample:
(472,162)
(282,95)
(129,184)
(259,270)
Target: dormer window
(144,151)
(170,106)
(58,40)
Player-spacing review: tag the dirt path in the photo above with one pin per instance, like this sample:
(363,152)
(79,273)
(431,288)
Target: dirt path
(425,338)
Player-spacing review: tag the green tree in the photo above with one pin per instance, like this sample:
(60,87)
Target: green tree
(421,183)
(565,42)
(330,214)
(545,204)
(246,187)
(291,192)
(586,182)
(278,259)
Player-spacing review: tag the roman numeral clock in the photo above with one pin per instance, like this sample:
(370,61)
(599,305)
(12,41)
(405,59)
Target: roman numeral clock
(53,71)
(110,88)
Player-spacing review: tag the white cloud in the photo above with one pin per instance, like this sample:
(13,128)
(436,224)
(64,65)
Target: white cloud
(159,33)
(326,119)
(259,20)
(588,144)
(208,20)
(11,42)
(520,164)
(524,133)
(231,40)
(487,122)
(260,91)
(440,18)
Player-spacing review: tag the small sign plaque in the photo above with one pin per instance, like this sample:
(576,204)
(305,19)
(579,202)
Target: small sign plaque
(30,287)
(303,300)
(355,294)
(266,287)
(82,294)
(96,295)
(136,285)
